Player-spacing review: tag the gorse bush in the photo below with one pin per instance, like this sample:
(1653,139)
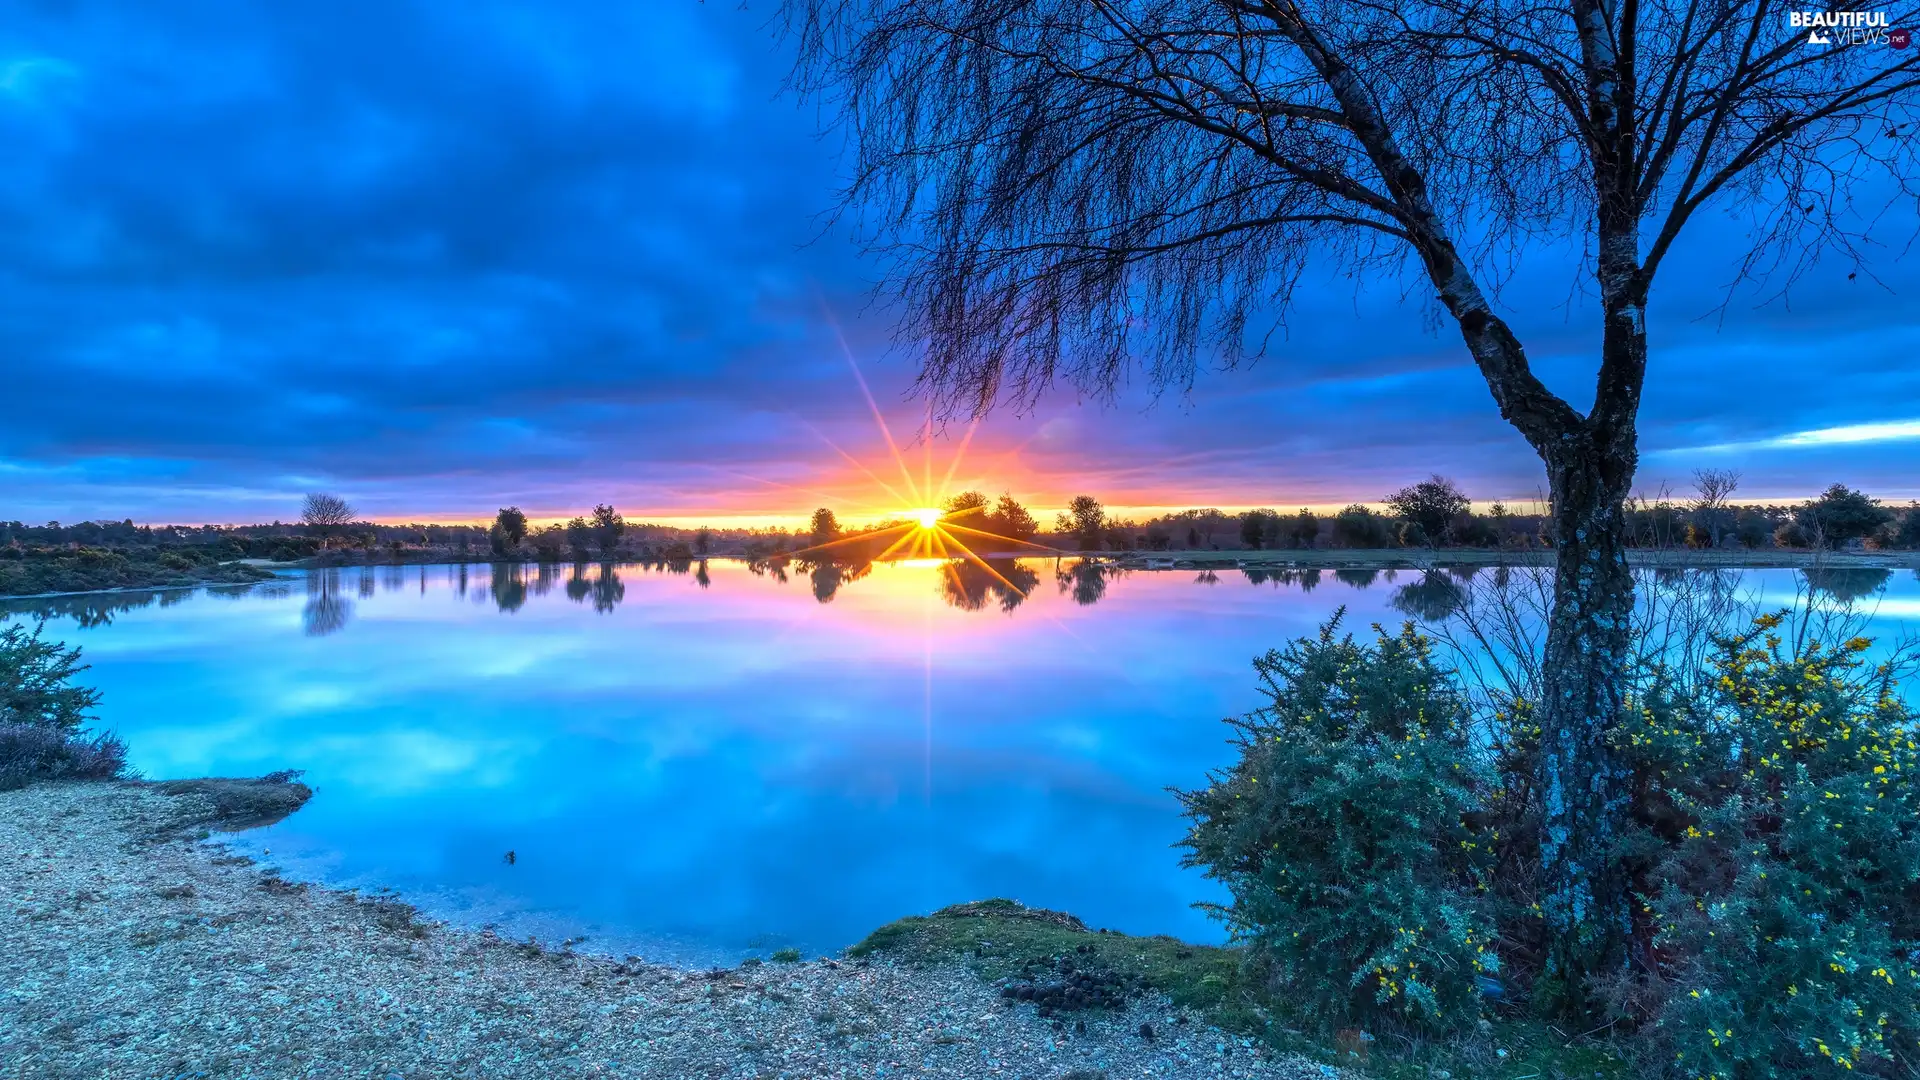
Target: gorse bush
(1342,833)
(1782,900)
(1380,846)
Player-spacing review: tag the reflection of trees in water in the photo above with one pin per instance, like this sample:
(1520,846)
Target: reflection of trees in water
(828,576)
(1206,577)
(608,589)
(1433,597)
(85,611)
(1086,582)
(544,579)
(393,578)
(1307,580)
(1846,584)
(577,584)
(460,581)
(701,576)
(968,585)
(367,582)
(1358,577)
(509,588)
(328,608)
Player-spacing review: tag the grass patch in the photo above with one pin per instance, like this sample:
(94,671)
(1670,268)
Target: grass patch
(786,956)
(1001,939)
(234,804)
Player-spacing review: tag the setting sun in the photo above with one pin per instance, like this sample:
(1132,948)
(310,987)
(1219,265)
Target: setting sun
(927,517)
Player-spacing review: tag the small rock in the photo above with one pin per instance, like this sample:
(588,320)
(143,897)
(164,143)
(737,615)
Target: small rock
(1146,1031)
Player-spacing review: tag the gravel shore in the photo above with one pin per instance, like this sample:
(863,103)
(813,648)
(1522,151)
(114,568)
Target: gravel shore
(125,955)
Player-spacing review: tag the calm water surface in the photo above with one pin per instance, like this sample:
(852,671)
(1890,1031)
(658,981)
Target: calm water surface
(701,766)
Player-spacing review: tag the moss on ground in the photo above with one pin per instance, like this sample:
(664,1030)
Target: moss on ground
(1001,938)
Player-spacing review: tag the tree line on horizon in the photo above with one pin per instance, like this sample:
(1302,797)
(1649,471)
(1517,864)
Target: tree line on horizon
(1433,513)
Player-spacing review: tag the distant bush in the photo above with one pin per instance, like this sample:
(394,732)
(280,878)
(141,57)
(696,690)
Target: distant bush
(1341,834)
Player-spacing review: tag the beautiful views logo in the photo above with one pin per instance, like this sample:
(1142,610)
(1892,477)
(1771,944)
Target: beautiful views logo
(1837,28)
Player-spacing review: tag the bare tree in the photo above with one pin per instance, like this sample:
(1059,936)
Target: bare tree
(326,513)
(1713,490)
(1067,186)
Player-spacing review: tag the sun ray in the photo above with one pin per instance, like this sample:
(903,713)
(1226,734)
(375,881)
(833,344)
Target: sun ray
(853,539)
(873,406)
(1011,540)
(792,487)
(855,462)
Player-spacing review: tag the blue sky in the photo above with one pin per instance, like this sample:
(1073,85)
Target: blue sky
(445,257)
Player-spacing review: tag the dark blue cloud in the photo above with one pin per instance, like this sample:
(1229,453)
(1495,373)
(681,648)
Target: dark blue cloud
(445,256)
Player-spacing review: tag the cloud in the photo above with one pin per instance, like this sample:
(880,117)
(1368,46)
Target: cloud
(448,256)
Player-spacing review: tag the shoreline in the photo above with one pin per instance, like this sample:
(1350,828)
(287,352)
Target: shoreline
(135,948)
(1140,561)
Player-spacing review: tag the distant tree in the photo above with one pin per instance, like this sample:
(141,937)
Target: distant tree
(1011,520)
(1710,509)
(608,526)
(1359,527)
(1303,529)
(1840,514)
(1906,532)
(579,537)
(325,513)
(513,526)
(497,539)
(1432,504)
(1085,520)
(825,527)
(702,542)
(550,543)
(1254,528)
(968,508)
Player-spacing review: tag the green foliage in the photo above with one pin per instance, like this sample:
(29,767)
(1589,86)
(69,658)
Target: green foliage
(1784,897)
(1085,520)
(786,956)
(512,523)
(36,681)
(1359,527)
(87,569)
(1841,514)
(608,526)
(1342,834)
(1432,504)
(1375,854)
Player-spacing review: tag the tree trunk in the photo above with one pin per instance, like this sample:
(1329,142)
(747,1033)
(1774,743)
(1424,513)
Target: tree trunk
(1582,784)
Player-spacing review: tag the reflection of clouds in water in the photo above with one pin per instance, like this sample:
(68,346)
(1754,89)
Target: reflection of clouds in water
(619,753)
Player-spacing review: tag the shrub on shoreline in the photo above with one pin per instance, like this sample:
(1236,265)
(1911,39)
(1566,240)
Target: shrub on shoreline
(42,712)
(1775,853)
(31,753)
(1342,833)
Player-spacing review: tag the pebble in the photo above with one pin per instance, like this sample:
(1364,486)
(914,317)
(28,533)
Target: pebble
(132,984)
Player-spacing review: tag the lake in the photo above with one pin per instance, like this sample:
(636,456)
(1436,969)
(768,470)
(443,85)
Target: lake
(703,765)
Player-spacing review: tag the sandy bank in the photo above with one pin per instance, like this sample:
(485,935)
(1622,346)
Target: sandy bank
(127,955)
